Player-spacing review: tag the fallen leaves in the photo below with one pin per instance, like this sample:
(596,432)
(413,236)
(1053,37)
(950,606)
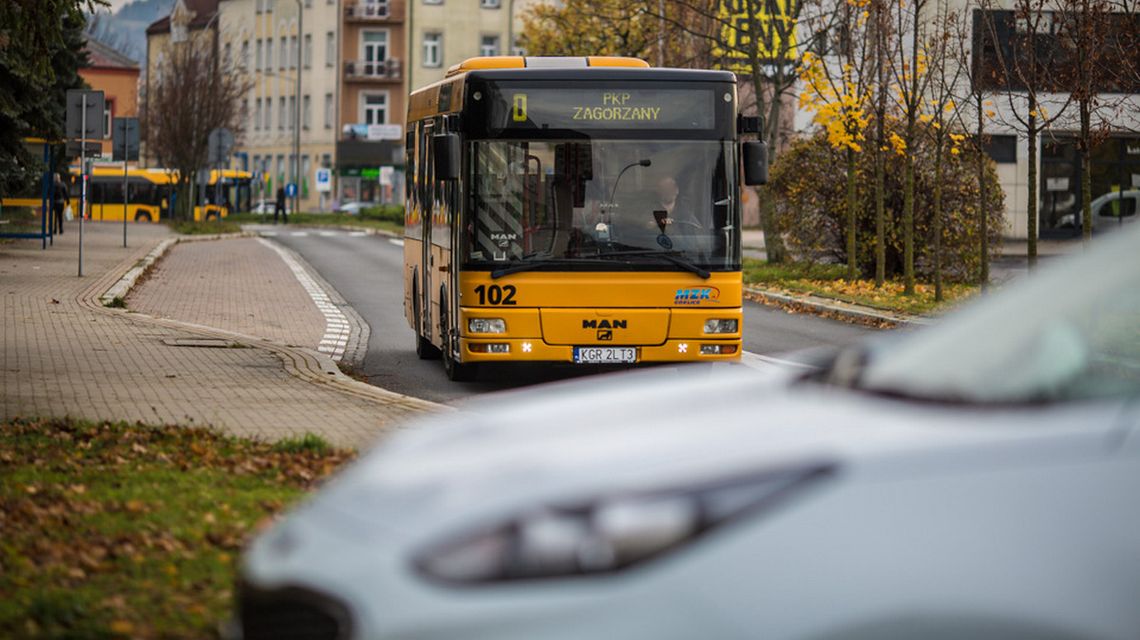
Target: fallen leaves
(113,530)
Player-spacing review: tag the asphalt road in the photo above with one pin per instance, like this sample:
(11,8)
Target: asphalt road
(366,271)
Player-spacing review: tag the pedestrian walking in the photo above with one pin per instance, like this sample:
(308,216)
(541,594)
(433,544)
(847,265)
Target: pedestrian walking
(60,200)
(279,207)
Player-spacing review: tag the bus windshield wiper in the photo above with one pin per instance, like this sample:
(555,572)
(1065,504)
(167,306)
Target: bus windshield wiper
(672,256)
(542,261)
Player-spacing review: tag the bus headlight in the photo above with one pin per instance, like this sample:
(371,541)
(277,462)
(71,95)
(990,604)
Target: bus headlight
(716,325)
(486,325)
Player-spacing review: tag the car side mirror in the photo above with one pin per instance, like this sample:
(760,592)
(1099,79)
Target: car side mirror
(446,151)
(755,163)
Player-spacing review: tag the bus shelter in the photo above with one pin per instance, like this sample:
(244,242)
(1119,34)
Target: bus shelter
(13,221)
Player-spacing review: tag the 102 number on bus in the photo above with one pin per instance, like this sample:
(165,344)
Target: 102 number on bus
(496,295)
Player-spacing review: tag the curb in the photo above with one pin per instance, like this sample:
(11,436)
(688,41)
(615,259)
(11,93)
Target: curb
(833,308)
(127,282)
(307,364)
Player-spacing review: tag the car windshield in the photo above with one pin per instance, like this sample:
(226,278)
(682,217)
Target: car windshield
(1071,333)
(603,204)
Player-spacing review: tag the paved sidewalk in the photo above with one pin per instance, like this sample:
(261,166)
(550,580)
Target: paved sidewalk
(64,354)
(238,285)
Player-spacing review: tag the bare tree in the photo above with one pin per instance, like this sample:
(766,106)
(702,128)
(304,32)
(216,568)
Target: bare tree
(193,93)
(945,75)
(1092,69)
(764,41)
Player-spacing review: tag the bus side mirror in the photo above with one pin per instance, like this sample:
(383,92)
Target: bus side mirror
(446,151)
(755,163)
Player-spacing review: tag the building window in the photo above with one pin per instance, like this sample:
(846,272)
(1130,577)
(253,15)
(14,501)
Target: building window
(330,49)
(518,49)
(281,167)
(268,124)
(328,111)
(269,54)
(326,160)
(433,49)
(258,53)
(281,115)
(227,56)
(292,112)
(306,115)
(375,52)
(375,108)
(294,53)
(257,115)
(308,50)
(108,117)
(245,54)
(490,4)
(305,167)
(283,53)
(489,46)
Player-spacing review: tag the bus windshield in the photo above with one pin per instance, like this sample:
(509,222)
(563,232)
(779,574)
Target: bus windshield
(601,204)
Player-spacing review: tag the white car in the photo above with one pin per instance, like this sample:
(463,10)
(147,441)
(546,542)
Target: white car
(1109,211)
(353,207)
(976,479)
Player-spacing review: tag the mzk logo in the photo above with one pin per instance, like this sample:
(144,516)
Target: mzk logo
(696,296)
(605,328)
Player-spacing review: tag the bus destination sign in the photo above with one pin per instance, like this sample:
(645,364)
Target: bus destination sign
(527,108)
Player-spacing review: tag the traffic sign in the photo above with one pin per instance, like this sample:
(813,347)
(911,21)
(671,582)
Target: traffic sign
(84,108)
(125,139)
(324,180)
(291,190)
(221,143)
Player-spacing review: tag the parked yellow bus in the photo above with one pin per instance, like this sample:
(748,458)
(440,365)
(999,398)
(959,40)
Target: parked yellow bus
(151,194)
(576,210)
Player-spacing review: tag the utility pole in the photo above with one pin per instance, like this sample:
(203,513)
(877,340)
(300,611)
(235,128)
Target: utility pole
(297,117)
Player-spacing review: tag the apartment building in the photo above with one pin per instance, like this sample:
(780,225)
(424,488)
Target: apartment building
(447,32)
(370,147)
(277,43)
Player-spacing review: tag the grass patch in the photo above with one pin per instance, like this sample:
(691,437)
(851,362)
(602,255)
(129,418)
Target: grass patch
(827,281)
(116,303)
(20,220)
(310,442)
(208,227)
(114,531)
(327,220)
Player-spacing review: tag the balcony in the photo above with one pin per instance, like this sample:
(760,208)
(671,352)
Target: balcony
(390,70)
(372,12)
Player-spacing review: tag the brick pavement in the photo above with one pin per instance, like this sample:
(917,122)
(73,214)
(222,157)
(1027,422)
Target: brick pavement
(237,285)
(65,355)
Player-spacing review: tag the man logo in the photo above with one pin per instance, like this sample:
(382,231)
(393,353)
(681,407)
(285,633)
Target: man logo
(605,324)
(605,334)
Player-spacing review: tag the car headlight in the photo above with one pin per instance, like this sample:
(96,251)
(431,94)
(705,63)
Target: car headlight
(486,325)
(715,325)
(607,534)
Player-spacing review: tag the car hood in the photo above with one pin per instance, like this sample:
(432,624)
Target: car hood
(664,429)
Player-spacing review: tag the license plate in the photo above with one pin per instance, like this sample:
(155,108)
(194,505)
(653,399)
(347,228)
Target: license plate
(605,355)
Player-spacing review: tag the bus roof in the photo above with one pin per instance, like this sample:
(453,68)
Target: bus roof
(541,62)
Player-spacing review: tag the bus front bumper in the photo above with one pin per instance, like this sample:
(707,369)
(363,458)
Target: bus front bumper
(493,349)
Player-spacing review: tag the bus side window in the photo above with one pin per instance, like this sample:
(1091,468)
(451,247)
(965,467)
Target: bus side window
(409,162)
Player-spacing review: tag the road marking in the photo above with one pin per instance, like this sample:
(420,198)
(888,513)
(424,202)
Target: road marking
(757,361)
(299,234)
(396,241)
(329,234)
(268,234)
(357,234)
(336,324)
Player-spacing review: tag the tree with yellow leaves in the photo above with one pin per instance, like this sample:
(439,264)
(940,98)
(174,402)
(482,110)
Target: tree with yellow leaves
(837,90)
(908,58)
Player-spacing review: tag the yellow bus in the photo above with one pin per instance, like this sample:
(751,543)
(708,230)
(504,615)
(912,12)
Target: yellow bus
(576,210)
(151,194)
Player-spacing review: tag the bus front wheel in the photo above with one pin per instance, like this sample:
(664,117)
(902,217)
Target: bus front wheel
(456,371)
(142,216)
(424,348)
